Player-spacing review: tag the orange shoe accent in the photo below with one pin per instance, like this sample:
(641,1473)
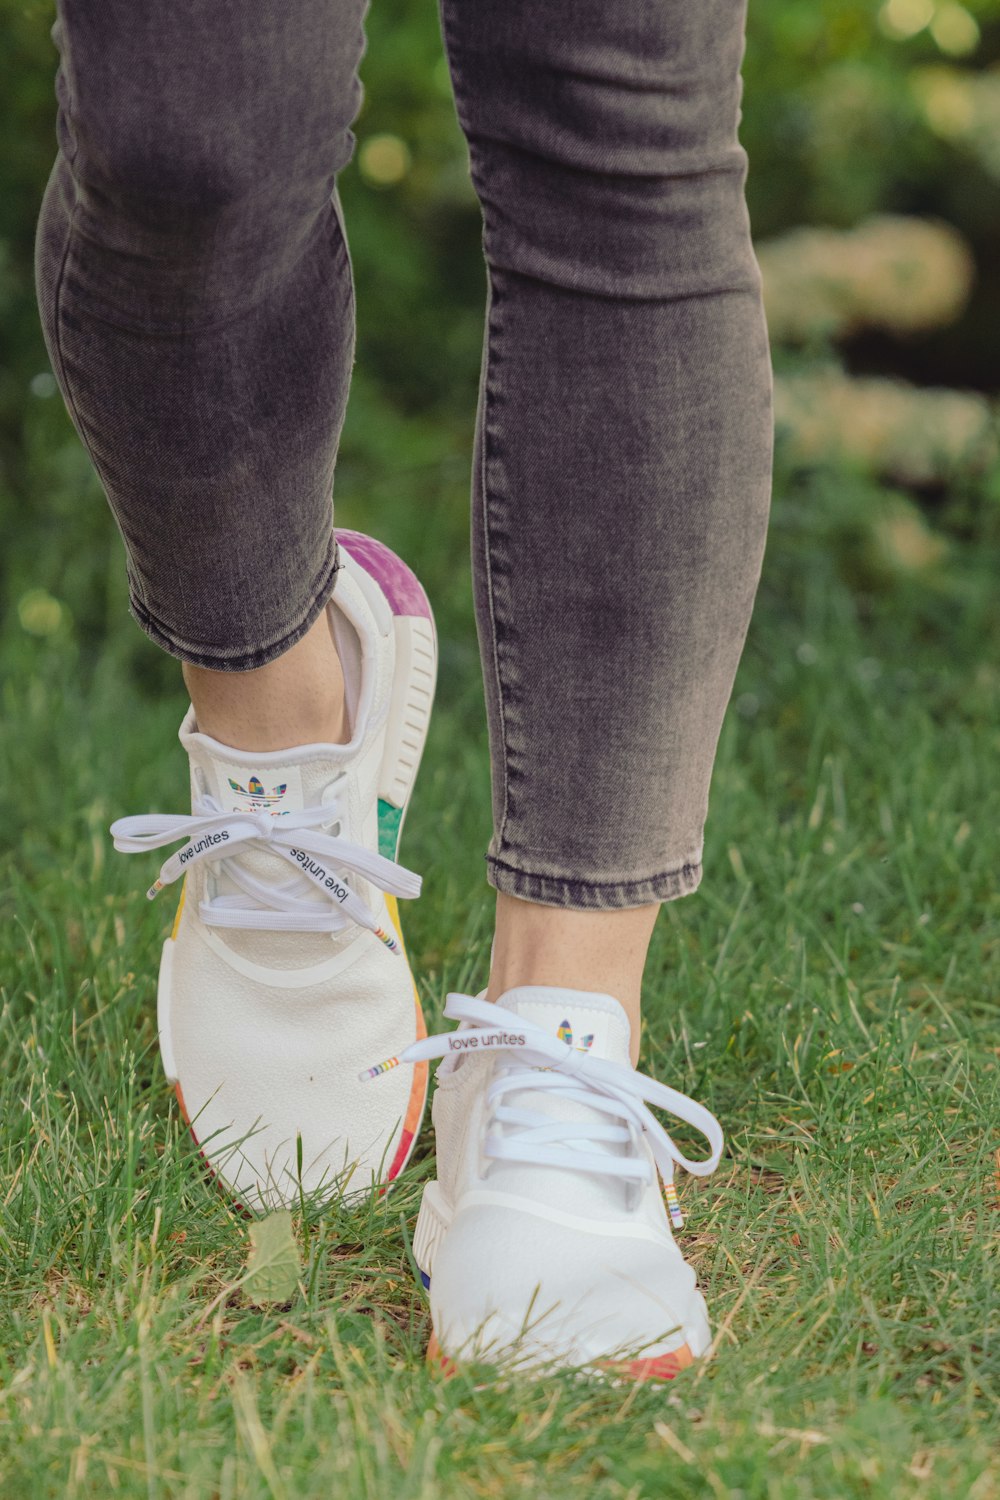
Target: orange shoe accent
(662,1367)
(447,1366)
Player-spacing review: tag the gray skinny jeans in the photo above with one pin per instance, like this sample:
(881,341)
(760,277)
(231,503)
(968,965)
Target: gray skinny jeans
(196,294)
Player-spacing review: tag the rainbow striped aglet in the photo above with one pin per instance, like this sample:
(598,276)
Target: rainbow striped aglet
(382,1067)
(389,941)
(673,1206)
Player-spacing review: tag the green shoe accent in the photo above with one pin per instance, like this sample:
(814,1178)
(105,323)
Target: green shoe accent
(389,818)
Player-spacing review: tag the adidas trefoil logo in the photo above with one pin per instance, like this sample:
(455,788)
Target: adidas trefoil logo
(565,1034)
(259,800)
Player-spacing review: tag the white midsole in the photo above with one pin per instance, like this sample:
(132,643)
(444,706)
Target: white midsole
(433,1223)
(410,707)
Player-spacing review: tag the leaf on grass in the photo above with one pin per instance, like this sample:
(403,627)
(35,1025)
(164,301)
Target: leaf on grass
(770,1161)
(273,1262)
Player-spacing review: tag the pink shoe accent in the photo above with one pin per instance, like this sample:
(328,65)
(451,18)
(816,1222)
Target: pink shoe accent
(398,583)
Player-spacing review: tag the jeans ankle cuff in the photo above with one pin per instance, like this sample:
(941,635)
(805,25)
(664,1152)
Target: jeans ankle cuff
(580,894)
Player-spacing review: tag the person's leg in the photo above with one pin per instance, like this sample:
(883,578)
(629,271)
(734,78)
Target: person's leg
(622,469)
(620,501)
(197,300)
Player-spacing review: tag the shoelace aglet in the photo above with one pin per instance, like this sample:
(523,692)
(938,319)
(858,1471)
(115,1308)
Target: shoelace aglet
(389,941)
(382,1067)
(154,889)
(673,1205)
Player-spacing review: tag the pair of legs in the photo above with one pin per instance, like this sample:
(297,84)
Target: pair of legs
(196,293)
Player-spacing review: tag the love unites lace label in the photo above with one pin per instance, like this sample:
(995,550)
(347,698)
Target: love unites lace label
(320,874)
(461,1042)
(199,847)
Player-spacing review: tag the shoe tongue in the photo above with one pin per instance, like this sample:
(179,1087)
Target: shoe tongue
(598,1023)
(243,782)
(256,784)
(587,1019)
(273,790)
(275,782)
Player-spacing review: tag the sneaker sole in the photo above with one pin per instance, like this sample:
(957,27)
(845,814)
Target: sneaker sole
(664,1367)
(431,1227)
(403,605)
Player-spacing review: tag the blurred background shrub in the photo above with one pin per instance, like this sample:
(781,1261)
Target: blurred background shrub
(873,131)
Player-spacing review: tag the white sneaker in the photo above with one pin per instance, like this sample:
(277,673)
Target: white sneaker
(286,968)
(545,1239)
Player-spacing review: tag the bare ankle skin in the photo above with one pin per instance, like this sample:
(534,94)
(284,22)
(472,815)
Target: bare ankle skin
(296,700)
(602,951)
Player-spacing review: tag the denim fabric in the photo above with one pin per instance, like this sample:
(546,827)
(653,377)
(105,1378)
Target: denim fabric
(196,294)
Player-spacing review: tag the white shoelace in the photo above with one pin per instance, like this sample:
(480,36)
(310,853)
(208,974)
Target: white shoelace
(540,1061)
(213,833)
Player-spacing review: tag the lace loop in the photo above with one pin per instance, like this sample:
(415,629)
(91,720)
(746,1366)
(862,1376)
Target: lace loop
(318,860)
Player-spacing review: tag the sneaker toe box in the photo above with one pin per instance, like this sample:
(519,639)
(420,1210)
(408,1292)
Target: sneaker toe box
(259,1066)
(508,1280)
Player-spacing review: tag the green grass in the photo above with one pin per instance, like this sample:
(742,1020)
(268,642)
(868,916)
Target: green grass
(830,993)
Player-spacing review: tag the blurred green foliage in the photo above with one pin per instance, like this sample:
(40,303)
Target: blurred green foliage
(836,124)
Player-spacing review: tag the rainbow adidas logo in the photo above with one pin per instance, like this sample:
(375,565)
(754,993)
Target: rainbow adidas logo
(565,1034)
(259,799)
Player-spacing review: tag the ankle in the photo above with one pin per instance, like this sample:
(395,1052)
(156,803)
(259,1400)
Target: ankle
(602,952)
(298,699)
